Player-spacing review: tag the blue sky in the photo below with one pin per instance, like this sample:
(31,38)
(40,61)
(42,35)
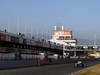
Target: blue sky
(31,16)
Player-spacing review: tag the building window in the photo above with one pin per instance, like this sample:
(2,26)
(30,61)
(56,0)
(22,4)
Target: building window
(61,38)
(67,37)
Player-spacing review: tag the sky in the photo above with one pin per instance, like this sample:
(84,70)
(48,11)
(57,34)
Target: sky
(39,16)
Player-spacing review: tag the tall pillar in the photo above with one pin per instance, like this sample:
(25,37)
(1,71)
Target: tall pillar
(64,54)
(17,54)
(74,53)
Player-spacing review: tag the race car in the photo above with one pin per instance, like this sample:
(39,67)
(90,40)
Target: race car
(79,64)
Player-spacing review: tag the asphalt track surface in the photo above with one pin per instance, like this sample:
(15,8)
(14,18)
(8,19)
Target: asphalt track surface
(59,69)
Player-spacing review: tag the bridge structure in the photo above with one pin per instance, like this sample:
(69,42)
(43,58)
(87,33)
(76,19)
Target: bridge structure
(17,50)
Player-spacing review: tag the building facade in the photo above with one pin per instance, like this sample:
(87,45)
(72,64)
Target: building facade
(63,36)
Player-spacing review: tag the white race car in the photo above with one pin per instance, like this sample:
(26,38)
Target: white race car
(79,64)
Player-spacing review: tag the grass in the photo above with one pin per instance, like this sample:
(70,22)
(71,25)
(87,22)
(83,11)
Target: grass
(94,70)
